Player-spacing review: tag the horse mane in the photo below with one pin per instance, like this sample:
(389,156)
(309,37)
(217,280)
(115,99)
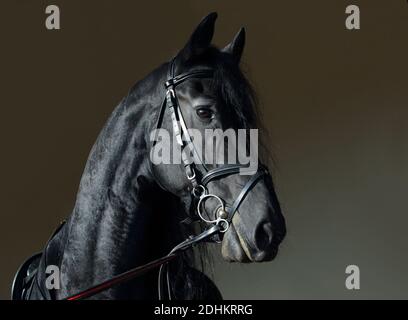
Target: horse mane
(239,97)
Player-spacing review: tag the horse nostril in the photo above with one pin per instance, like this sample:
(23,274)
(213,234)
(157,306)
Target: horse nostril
(264,236)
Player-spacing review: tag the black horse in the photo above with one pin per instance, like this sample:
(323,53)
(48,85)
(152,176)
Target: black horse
(129,211)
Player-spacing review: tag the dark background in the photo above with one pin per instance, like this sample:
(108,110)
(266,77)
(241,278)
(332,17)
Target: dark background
(335,102)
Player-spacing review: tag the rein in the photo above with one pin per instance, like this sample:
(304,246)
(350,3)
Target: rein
(140,270)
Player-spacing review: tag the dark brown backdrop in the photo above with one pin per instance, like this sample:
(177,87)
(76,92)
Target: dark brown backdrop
(335,102)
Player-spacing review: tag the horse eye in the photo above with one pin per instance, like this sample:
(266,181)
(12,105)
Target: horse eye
(204,113)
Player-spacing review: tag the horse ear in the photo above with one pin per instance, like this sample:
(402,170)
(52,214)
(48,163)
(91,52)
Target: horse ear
(201,38)
(236,46)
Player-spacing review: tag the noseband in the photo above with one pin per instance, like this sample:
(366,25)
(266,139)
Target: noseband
(198,179)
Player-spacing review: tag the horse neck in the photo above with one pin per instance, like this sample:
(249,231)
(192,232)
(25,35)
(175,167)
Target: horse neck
(113,225)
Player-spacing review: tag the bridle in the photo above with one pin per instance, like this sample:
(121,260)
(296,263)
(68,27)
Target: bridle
(198,179)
